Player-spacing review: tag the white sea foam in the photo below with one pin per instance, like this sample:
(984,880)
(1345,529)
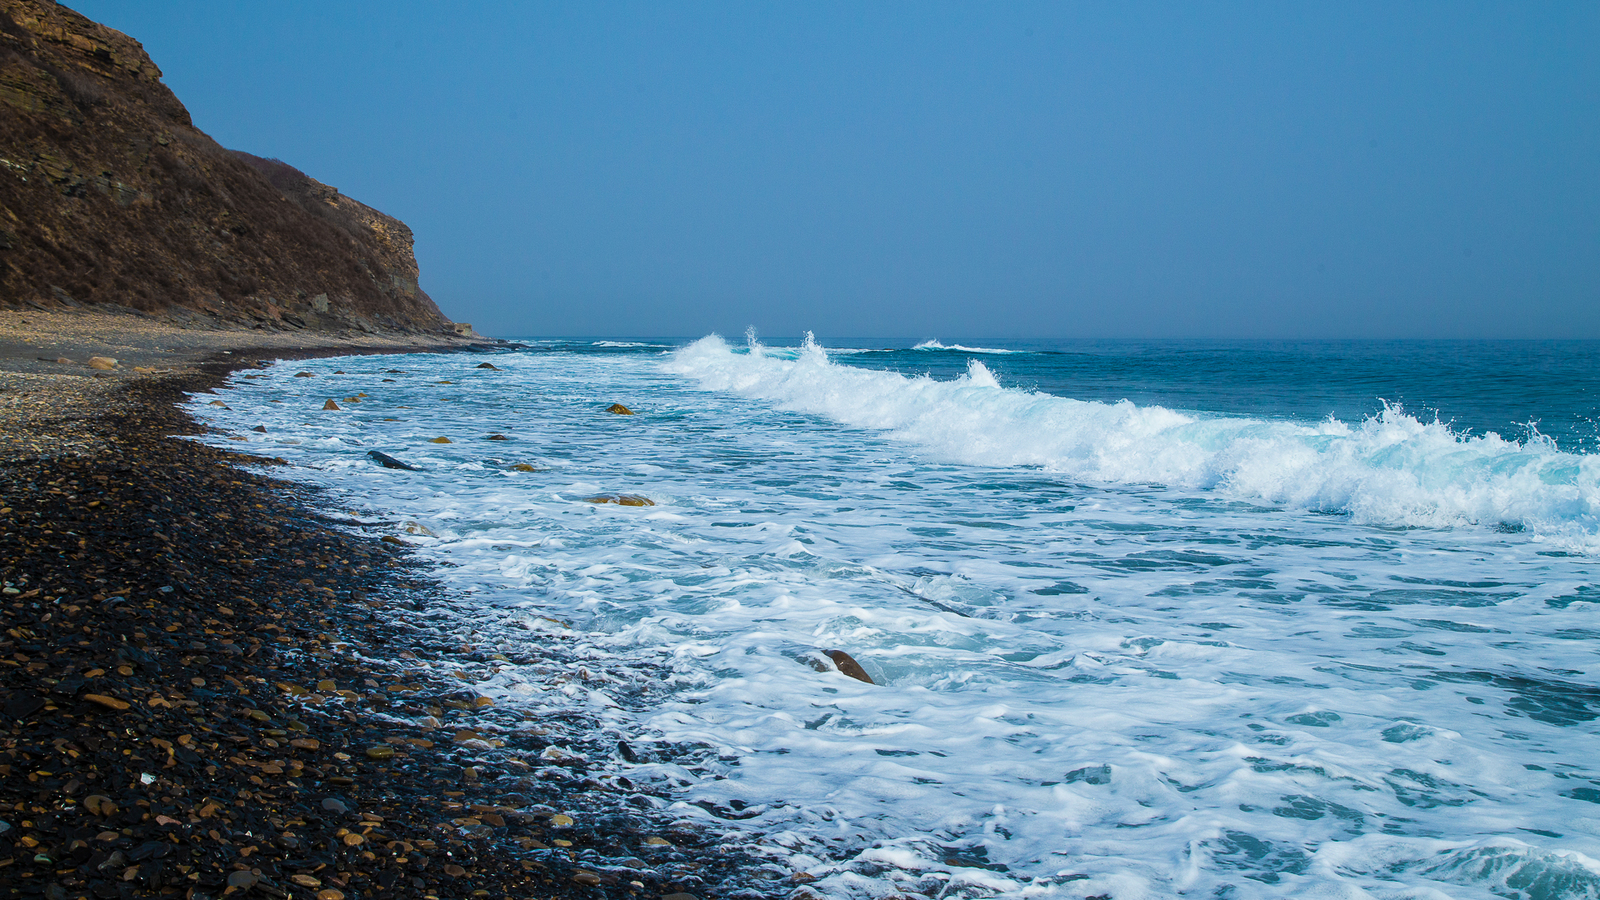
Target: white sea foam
(1084,686)
(936,345)
(1392,469)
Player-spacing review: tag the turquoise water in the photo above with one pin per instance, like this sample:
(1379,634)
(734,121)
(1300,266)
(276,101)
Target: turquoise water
(1154,620)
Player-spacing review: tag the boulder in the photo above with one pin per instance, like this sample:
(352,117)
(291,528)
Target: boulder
(619,409)
(389,462)
(488,366)
(102,362)
(330,405)
(848,665)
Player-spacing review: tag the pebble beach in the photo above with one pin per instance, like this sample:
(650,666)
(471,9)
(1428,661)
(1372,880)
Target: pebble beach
(209,688)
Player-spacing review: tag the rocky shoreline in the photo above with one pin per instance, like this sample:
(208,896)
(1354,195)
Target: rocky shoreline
(208,688)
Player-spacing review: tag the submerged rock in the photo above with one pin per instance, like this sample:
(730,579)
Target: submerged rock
(848,665)
(619,409)
(488,366)
(330,405)
(389,462)
(620,499)
(440,440)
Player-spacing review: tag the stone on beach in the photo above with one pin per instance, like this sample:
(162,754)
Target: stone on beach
(102,362)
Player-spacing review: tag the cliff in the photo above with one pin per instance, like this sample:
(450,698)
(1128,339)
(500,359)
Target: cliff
(110,196)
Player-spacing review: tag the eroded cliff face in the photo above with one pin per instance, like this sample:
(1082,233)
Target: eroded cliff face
(110,195)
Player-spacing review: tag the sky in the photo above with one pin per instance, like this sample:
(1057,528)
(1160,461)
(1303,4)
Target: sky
(939,170)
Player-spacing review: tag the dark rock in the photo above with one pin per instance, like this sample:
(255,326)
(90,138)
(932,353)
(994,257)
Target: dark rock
(389,462)
(619,409)
(848,665)
(487,366)
(22,704)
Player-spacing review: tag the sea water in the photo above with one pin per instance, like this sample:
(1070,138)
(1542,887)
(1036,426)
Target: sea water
(1143,620)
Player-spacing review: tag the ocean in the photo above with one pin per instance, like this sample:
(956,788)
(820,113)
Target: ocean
(1143,619)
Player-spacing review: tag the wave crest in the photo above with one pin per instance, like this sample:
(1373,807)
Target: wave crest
(961,348)
(1390,469)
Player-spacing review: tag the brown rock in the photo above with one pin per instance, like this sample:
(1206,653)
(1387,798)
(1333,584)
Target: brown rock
(586,878)
(497,437)
(619,409)
(330,894)
(305,374)
(330,405)
(488,366)
(848,665)
(99,804)
(107,702)
(381,751)
(63,361)
(102,362)
(440,440)
(620,499)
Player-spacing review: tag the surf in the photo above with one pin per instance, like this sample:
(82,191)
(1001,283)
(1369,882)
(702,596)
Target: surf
(1392,469)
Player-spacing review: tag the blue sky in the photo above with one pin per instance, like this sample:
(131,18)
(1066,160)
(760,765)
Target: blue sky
(924,169)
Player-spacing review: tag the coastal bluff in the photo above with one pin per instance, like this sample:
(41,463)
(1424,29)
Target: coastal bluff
(111,197)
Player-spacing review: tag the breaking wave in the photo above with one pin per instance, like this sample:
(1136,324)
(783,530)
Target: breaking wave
(1390,469)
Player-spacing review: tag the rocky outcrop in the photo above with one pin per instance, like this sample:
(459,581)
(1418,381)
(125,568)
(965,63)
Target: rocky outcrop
(110,195)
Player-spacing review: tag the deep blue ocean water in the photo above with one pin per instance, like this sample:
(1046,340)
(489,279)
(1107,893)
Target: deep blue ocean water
(1145,619)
